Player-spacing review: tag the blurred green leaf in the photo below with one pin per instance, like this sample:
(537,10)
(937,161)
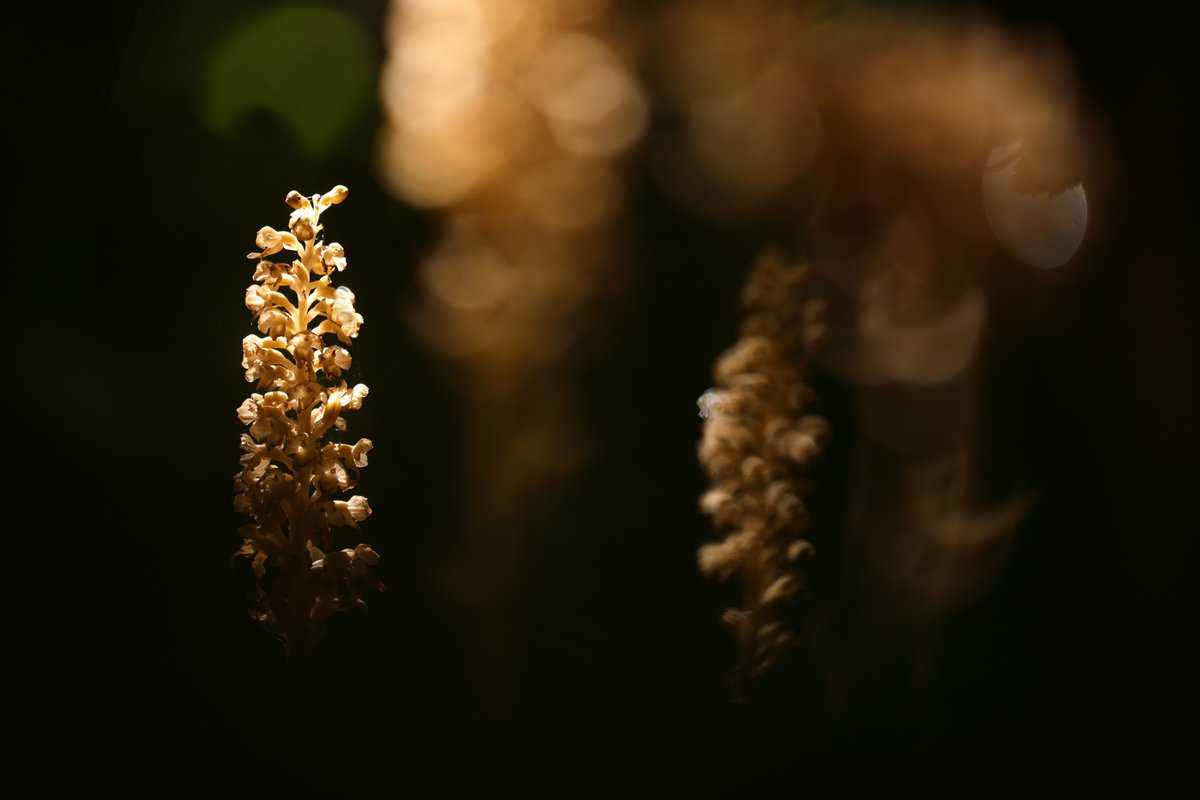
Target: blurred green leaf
(311,66)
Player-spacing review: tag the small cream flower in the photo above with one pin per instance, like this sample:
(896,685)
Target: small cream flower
(271,273)
(251,360)
(331,471)
(343,314)
(304,345)
(360,450)
(248,410)
(256,297)
(270,430)
(357,395)
(334,256)
(289,475)
(271,241)
(304,395)
(334,361)
(355,510)
(273,322)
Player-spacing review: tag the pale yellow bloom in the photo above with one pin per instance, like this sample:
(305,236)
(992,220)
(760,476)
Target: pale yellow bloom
(360,450)
(357,509)
(334,361)
(256,298)
(273,322)
(305,345)
(271,241)
(248,410)
(272,273)
(343,314)
(357,395)
(334,255)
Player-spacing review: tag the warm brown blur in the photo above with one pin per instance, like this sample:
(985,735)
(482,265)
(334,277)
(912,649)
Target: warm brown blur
(914,113)
(884,138)
(510,119)
(908,156)
(746,124)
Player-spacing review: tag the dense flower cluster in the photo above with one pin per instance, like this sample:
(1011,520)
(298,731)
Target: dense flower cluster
(757,441)
(290,473)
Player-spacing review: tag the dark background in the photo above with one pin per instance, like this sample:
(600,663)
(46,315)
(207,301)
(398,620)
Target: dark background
(136,666)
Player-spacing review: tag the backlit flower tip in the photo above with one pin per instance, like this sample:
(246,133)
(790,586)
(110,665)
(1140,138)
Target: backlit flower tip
(272,241)
(343,314)
(331,198)
(334,360)
(359,452)
(297,200)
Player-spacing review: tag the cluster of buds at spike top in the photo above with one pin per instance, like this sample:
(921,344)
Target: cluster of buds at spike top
(293,465)
(757,443)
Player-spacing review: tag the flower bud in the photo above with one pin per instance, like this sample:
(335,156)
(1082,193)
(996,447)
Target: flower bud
(334,196)
(303,230)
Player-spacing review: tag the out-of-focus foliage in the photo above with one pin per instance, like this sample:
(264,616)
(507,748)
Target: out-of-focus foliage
(329,55)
